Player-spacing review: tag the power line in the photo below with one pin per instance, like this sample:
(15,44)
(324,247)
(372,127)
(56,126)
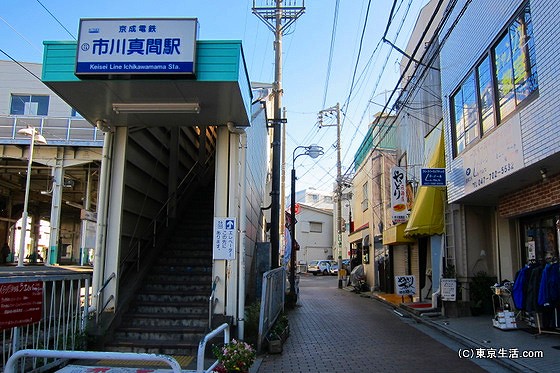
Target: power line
(21,35)
(56,19)
(419,43)
(21,65)
(331,51)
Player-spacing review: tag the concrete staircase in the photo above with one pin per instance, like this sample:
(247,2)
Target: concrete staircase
(169,314)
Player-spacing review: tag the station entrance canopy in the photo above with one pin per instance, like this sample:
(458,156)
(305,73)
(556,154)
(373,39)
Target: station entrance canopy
(212,89)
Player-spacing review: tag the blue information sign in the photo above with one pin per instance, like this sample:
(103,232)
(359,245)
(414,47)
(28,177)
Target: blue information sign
(432,177)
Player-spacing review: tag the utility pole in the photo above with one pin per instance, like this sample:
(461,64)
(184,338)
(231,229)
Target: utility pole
(278,18)
(336,109)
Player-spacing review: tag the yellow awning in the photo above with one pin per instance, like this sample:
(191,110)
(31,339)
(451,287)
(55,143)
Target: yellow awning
(395,235)
(426,218)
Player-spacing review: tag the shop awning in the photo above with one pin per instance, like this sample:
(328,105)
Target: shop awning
(426,218)
(395,235)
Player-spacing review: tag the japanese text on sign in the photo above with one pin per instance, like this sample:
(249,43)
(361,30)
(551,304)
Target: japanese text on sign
(405,285)
(399,209)
(224,238)
(21,303)
(136,46)
(432,176)
(448,288)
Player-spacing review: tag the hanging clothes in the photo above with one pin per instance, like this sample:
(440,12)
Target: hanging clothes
(532,289)
(549,288)
(519,284)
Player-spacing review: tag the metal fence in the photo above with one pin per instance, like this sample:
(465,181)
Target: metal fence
(64,313)
(272,301)
(57,131)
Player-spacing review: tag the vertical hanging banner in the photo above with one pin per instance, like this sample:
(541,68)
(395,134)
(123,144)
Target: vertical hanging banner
(21,303)
(224,238)
(399,209)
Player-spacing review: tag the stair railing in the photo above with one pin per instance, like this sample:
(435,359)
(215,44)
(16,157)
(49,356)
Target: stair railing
(99,311)
(161,218)
(212,301)
(202,347)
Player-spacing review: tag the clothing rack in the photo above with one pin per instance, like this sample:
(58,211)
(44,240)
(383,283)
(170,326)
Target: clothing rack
(536,292)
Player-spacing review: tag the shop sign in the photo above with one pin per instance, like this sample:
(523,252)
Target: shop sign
(432,177)
(224,238)
(21,303)
(399,209)
(136,46)
(405,285)
(494,157)
(448,288)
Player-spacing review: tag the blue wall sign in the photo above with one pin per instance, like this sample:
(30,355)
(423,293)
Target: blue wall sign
(136,46)
(432,177)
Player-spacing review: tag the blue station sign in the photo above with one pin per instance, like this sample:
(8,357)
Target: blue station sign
(432,177)
(136,46)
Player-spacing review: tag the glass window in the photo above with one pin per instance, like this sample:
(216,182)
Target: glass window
(540,238)
(465,115)
(486,95)
(365,203)
(523,54)
(505,77)
(29,105)
(514,64)
(316,227)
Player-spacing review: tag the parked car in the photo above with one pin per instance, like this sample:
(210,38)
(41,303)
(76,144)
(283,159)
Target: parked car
(346,266)
(320,266)
(333,270)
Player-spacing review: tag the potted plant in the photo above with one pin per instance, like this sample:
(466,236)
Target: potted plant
(480,293)
(235,356)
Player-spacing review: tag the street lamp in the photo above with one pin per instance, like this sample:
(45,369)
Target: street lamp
(313,151)
(35,137)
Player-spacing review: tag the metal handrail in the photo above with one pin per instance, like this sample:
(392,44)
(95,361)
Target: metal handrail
(51,129)
(97,310)
(162,212)
(202,347)
(90,355)
(212,301)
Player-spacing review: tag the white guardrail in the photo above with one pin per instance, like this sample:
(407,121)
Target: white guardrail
(12,367)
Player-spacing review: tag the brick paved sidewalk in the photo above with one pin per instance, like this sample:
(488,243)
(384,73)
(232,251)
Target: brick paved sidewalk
(333,330)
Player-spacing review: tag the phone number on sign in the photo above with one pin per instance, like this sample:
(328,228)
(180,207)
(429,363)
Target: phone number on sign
(498,353)
(493,175)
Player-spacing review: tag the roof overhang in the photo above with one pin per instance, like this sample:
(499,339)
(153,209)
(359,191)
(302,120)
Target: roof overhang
(395,235)
(220,90)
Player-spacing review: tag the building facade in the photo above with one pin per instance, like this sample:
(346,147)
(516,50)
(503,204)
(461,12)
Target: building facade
(62,187)
(502,139)
(314,232)
(370,212)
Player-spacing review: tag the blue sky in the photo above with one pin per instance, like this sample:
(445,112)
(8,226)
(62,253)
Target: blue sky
(25,24)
